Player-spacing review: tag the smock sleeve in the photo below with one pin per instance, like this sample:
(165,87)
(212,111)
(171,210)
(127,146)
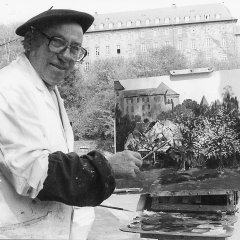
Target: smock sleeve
(78,180)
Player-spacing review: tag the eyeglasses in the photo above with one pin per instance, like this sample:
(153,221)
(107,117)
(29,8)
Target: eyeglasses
(57,45)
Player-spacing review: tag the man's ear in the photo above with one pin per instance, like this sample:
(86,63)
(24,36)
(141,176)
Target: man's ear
(31,40)
(28,39)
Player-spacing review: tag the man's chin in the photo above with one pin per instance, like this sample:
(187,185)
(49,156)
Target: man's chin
(54,81)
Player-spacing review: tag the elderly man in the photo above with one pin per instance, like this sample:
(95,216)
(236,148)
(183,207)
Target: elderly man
(41,178)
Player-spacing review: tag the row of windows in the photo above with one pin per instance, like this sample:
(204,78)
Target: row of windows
(145,47)
(156,32)
(144,107)
(155,21)
(148,107)
(157,99)
(144,99)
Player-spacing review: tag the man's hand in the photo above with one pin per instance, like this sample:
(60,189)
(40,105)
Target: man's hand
(125,164)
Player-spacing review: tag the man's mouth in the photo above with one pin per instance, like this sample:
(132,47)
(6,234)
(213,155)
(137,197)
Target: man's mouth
(59,66)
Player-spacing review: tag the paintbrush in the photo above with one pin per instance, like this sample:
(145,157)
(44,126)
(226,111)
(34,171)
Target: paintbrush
(153,151)
(116,208)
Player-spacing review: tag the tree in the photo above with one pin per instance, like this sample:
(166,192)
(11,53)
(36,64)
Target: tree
(124,126)
(10,45)
(219,139)
(158,62)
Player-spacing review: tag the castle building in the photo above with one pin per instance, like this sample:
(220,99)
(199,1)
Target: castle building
(146,103)
(207,29)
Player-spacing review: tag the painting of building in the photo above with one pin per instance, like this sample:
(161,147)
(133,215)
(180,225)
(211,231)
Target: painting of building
(147,103)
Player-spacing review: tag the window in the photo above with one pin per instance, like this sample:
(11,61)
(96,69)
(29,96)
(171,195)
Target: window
(177,19)
(208,29)
(149,106)
(217,16)
(129,23)
(143,107)
(166,31)
(193,30)
(147,21)
(86,66)
(167,20)
(225,58)
(179,30)
(166,43)
(143,48)
(87,51)
(118,49)
(208,42)
(119,24)
(107,50)
(224,42)
(187,19)
(97,52)
(137,100)
(93,27)
(138,23)
(207,16)
(193,44)
(157,21)
(179,44)
(197,17)
(110,25)
(130,48)
(132,108)
(147,99)
(101,26)
(141,34)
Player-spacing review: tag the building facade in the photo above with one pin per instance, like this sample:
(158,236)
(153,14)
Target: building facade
(207,29)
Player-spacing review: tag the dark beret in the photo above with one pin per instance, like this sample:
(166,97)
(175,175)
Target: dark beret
(43,19)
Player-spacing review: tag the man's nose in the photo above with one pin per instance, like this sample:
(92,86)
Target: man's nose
(65,53)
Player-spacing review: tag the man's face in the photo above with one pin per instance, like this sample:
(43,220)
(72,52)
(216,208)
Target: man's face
(54,67)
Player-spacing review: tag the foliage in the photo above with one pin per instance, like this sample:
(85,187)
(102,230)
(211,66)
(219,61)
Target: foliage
(231,62)
(159,135)
(158,62)
(10,45)
(124,126)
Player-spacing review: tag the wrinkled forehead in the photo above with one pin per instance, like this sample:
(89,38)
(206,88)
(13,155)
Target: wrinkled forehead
(70,31)
(55,25)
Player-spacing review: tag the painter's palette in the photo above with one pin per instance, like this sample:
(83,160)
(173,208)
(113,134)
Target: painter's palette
(156,224)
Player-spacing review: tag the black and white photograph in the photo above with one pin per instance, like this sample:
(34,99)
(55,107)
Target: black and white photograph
(120,120)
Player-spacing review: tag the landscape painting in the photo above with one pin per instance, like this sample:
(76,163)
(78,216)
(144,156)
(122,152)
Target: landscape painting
(185,125)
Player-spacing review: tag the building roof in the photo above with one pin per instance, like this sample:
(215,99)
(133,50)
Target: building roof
(118,86)
(162,89)
(204,101)
(161,16)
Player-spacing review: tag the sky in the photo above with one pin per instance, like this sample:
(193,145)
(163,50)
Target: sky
(21,10)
